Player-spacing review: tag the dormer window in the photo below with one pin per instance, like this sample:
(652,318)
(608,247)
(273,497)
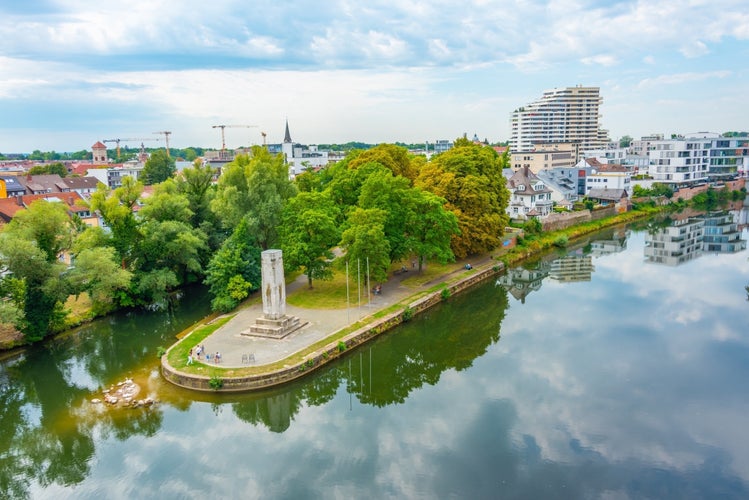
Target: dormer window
(521,187)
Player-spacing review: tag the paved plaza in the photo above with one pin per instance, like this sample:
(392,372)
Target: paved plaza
(239,350)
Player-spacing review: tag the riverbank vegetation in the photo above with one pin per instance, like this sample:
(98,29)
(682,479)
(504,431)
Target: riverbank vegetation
(382,208)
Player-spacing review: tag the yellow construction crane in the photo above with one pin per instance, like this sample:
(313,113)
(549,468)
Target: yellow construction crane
(166,134)
(127,140)
(223,137)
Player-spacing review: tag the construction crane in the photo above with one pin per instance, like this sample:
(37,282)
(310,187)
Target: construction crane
(223,137)
(166,134)
(117,141)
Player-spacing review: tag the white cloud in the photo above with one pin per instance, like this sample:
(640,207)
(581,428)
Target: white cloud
(680,78)
(695,48)
(600,60)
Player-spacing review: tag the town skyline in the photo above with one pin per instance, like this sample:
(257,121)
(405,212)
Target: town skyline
(339,72)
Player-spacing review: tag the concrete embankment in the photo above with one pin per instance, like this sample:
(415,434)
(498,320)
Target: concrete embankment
(331,351)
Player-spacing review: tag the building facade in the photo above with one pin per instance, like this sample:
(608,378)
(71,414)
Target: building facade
(545,157)
(566,115)
(529,196)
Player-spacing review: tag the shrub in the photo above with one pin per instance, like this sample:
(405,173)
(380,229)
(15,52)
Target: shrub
(408,313)
(160,351)
(216,382)
(341,346)
(445,293)
(561,241)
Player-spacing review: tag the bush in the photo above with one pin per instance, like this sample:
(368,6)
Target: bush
(160,351)
(561,241)
(445,293)
(341,346)
(408,313)
(216,382)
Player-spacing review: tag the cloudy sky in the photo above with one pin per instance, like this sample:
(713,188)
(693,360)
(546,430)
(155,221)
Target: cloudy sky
(76,71)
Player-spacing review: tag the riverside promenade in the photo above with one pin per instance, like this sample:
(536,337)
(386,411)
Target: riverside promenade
(240,351)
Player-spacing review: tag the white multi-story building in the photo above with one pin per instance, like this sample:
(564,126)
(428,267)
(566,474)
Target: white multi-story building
(679,161)
(112,176)
(607,176)
(698,157)
(567,115)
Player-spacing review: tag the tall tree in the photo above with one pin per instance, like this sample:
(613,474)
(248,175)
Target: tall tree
(364,240)
(29,250)
(469,176)
(234,270)
(308,233)
(159,167)
(430,227)
(116,209)
(389,193)
(258,187)
(98,273)
(397,159)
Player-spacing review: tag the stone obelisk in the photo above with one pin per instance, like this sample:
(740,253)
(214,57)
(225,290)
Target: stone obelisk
(274,323)
(274,288)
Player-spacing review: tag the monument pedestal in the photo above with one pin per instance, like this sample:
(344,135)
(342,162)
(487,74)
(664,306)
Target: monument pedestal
(274,328)
(274,323)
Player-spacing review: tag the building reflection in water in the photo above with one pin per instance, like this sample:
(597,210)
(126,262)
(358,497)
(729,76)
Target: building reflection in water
(520,282)
(690,237)
(572,268)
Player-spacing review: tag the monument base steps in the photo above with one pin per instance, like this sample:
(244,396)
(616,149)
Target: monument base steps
(274,328)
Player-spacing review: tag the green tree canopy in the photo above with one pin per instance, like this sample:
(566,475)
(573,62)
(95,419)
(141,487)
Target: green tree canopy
(308,233)
(29,250)
(234,270)
(256,186)
(365,241)
(397,159)
(430,227)
(159,167)
(98,273)
(469,176)
(116,209)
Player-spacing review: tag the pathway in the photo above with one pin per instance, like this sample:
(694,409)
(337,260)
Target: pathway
(318,323)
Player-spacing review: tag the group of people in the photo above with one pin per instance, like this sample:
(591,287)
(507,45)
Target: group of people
(199,350)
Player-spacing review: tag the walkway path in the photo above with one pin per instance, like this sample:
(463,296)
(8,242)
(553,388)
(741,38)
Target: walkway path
(318,323)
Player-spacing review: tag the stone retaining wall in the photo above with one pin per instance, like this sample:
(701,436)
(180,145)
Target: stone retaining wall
(328,353)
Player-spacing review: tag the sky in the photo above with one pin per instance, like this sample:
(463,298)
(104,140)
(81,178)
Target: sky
(73,72)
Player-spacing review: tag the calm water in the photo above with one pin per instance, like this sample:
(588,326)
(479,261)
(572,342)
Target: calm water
(588,374)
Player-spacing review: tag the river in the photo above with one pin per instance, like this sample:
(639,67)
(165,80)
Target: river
(604,370)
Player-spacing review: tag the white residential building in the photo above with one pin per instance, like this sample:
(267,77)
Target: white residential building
(529,196)
(679,161)
(607,176)
(698,157)
(112,176)
(566,115)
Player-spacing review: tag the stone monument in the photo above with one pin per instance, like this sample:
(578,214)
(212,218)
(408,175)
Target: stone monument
(274,323)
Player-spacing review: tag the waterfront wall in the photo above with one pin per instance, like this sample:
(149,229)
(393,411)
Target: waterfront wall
(563,220)
(331,351)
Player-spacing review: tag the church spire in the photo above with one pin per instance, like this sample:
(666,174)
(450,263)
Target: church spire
(287,135)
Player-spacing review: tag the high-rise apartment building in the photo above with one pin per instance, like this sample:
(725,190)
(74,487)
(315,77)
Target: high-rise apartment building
(569,115)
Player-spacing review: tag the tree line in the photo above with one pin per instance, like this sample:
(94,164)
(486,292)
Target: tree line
(381,204)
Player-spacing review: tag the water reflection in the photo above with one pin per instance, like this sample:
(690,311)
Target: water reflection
(689,236)
(48,429)
(630,383)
